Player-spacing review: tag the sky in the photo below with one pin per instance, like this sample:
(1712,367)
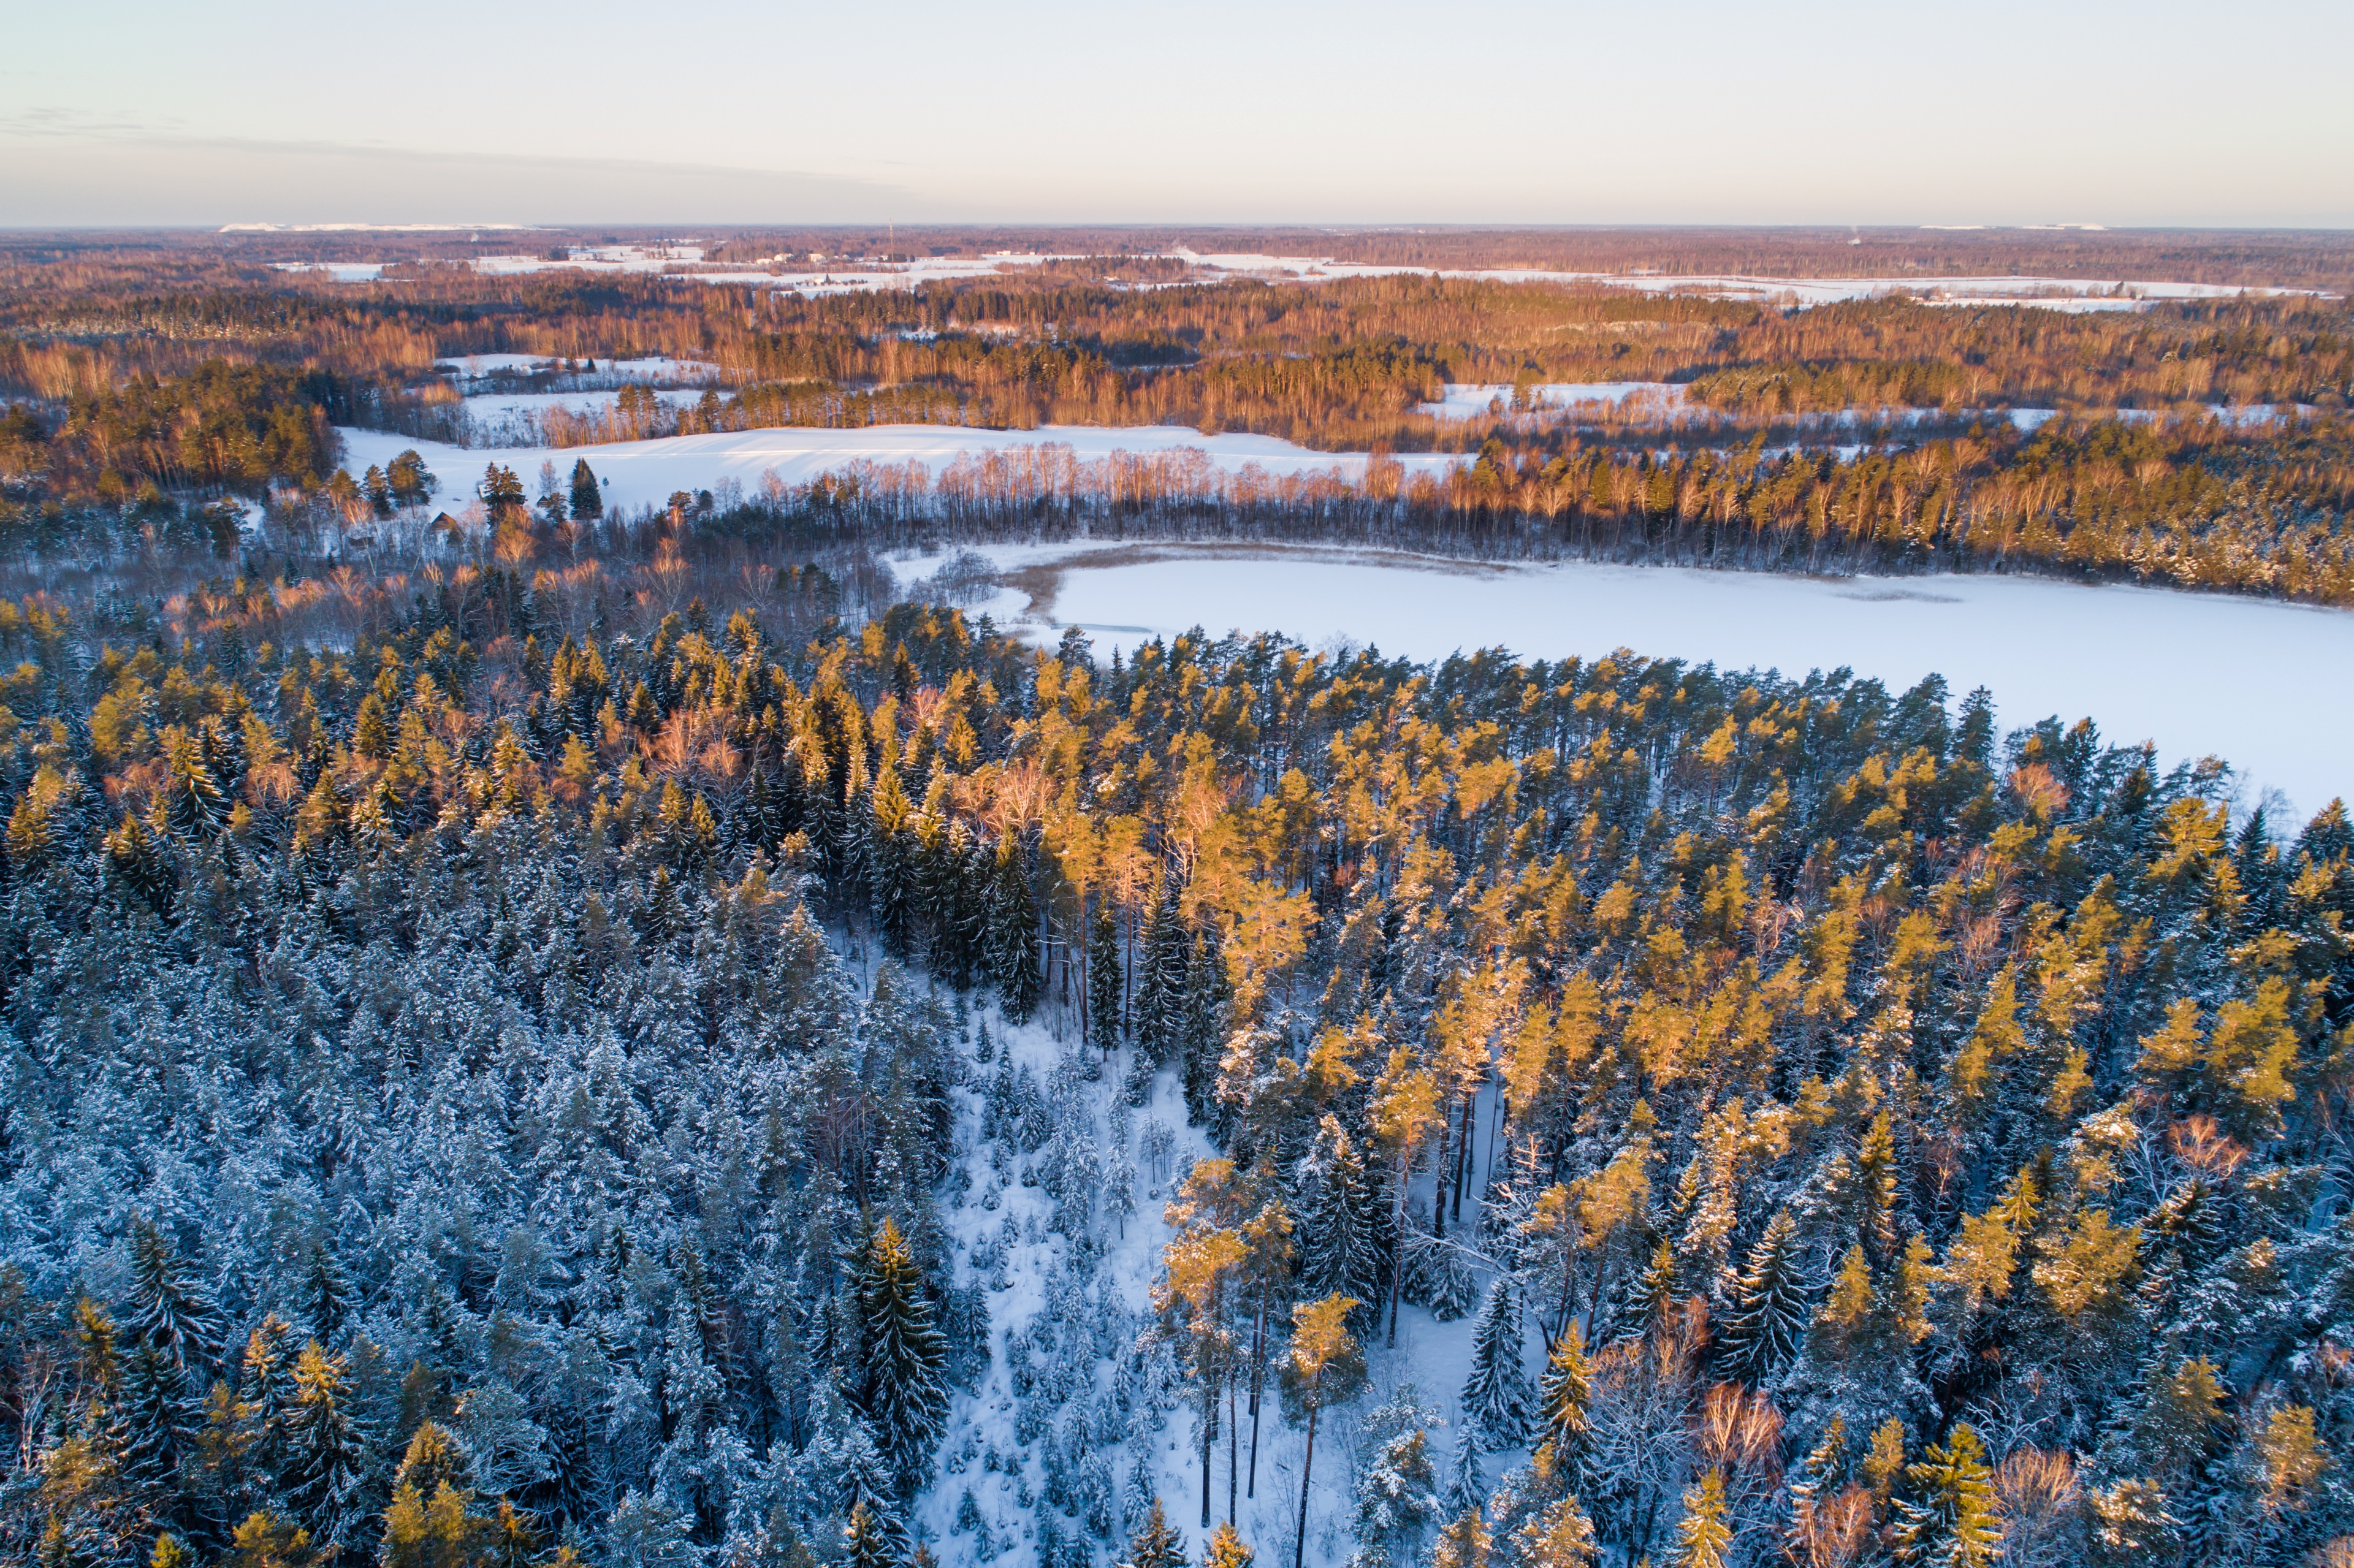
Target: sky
(114,113)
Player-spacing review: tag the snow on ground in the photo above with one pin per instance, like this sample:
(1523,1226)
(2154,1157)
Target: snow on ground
(652,368)
(341,271)
(1473,400)
(2252,681)
(645,473)
(2072,294)
(1434,1357)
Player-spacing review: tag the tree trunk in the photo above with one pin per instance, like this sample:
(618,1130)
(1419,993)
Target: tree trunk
(1259,1382)
(1209,1434)
(1306,1469)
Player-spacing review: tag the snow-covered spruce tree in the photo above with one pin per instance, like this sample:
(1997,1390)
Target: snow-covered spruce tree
(168,1311)
(1105,984)
(1012,943)
(1156,1543)
(1496,1399)
(329,1460)
(1467,1478)
(1340,1223)
(903,1357)
(1397,1500)
(1768,1307)
(1950,1519)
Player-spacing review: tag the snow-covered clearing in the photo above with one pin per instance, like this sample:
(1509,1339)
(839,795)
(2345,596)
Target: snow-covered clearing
(1474,401)
(2071,294)
(645,473)
(341,271)
(984,1451)
(2255,682)
(651,369)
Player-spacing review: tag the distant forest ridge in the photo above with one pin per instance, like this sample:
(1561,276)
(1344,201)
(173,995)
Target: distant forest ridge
(2247,258)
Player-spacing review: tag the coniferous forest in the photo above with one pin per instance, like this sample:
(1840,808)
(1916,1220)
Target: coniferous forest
(648,1041)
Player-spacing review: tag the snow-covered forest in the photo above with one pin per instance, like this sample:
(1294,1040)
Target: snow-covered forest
(780,1090)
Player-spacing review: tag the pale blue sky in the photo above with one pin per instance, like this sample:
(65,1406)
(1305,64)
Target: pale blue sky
(1485,111)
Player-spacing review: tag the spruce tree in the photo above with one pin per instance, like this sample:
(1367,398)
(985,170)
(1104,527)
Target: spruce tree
(1227,1549)
(587,500)
(1703,1538)
(1565,1391)
(327,1467)
(1496,1395)
(1011,945)
(1765,1322)
(901,1389)
(866,1543)
(1341,1219)
(168,1311)
(1155,1543)
(1951,1521)
(1105,1024)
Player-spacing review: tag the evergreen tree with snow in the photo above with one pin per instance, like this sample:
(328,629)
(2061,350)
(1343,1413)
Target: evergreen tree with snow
(1466,1478)
(1951,1519)
(1703,1537)
(1765,1322)
(1496,1398)
(1156,1543)
(905,1356)
(169,1311)
(1341,1219)
(1227,1549)
(1105,985)
(1397,1499)
(1011,946)
(1565,1392)
(328,1461)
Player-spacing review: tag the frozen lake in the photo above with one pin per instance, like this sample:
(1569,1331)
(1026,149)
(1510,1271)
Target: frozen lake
(2260,683)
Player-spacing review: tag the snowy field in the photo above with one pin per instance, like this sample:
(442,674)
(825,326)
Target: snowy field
(645,473)
(652,368)
(2178,669)
(1472,400)
(687,261)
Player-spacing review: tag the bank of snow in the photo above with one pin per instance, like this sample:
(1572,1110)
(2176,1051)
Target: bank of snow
(2256,682)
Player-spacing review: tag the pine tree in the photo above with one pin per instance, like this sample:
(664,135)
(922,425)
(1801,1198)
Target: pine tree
(1496,1395)
(1155,1544)
(905,1356)
(1766,1319)
(1951,1521)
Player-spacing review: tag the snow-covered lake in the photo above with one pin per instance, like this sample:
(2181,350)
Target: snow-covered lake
(2258,682)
